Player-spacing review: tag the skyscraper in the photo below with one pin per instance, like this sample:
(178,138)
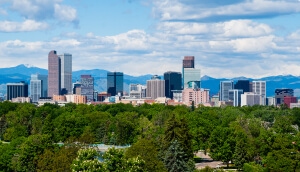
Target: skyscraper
(66,73)
(115,83)
(191,75)
(17,90)
(188,62)
(54,74)
(172,82)
(59,73)
(38,87)
(243,85)
(87,87)
(155,87)
(235,96)
(259,87)
(225,86)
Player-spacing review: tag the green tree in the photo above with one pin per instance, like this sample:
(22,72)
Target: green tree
(175,158)
(147,151)
(87,160)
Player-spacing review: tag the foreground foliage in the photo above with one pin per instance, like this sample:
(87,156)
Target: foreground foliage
(48,138)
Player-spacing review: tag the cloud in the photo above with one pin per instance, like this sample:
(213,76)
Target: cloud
(26,26)
(44,10)
(208,11)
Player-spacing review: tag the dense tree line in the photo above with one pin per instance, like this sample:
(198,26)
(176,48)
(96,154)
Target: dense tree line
(162,138)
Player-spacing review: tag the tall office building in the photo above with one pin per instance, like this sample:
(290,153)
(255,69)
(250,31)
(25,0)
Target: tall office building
(235,96)
(155,87)
(59,74)
(15,90)
(66,73)
(115,83)
(53,74)
(191,75)
(225,86)
(259,87)
(188,62)
(87,87)
(172,82)
(281,93)
(38,87)
(243,85)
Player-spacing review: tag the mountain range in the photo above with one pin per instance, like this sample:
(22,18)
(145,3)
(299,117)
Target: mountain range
(23,72)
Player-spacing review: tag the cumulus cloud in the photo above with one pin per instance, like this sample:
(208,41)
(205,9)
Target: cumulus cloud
(44,10)
(26,26)
(194,10)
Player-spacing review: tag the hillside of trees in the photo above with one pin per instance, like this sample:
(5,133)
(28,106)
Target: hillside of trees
(161,138)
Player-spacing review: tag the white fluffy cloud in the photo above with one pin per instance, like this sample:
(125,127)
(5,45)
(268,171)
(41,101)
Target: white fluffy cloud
(218,10)
(42,10)
(27,25)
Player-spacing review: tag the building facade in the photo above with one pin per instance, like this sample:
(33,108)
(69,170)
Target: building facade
(137,91)
(250,99)
(38,87)
(115,83)
(197,96)
(288,100)
(259,87)
(281,93)
(155,87)
(225,86)
(87,87)
(243,85)
(66,73)
(191,75)
(15,90)
(235,97)
(54,74)
(172,82)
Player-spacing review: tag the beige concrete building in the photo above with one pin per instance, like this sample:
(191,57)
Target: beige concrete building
(198,96)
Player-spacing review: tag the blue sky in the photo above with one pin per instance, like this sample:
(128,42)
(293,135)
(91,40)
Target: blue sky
(252,38)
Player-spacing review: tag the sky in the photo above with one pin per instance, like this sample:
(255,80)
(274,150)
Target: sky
(232,38)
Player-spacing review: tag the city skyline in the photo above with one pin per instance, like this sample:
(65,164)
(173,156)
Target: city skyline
(228,39)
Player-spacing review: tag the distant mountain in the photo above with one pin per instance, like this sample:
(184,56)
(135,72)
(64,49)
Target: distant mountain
(23,72)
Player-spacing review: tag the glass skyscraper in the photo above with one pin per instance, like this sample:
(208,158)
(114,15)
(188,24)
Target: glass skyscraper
(38,87)
(191,75)
(66,73)
(172,82)
(115,83)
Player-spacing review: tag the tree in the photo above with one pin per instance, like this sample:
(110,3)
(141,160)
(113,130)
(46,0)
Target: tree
(87,160)
(113,161)
(147,151)
(30,150)
(175,158)
(178,130)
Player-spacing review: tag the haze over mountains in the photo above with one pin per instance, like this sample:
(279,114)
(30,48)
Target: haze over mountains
(22,73)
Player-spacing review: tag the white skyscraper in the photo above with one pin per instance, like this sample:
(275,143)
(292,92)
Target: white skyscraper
(66,73)
(259,87)
(38,87)
(137,91)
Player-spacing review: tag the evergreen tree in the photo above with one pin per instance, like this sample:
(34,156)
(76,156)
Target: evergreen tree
(175,159)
